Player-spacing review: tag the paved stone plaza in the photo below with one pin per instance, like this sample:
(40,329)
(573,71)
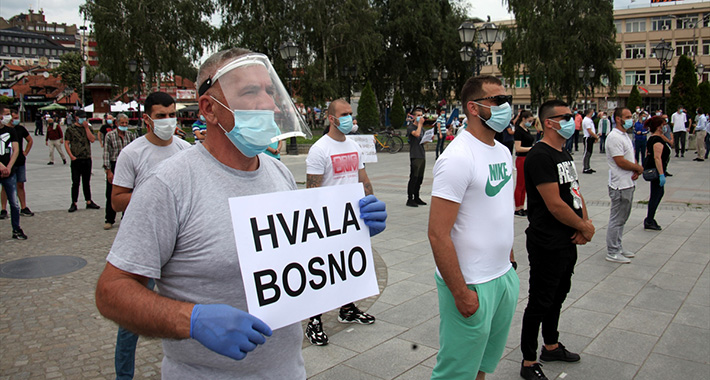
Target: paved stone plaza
(646,320)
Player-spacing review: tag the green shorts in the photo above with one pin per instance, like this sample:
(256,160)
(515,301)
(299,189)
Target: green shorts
(473,344)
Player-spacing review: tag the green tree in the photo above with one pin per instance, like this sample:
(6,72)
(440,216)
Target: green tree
(552,39)
(635,99)
(684,87)
(704,92)
(397,115)
(164,33)
(367,113)
(69,70)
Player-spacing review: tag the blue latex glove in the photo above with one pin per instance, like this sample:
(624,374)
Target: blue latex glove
(226,330)
(662,179)
(372,212)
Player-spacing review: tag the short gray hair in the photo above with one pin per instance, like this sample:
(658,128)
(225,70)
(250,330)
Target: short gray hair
(210,66)
(121,116)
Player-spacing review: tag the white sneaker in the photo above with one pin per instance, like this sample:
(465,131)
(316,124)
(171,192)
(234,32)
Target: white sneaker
(628,254)
(617,258)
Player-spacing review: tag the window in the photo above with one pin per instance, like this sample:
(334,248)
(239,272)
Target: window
(685,48)
(27,50)
(706,20)
(655,77)
(12,49)
(22,40)
(34,51)
(605,80)
(635,51)
(522,82)
(686,21)
(661,23)
(635,77)
(489,59)
(706,47)
(30,27)
(40,51)
(635,25)
(53,52)
(499,57)
(60,29)
(4,49)
(617,25)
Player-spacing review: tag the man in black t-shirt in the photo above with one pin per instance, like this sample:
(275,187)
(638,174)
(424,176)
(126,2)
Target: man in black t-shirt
(558,221)
(417,157)
(106,128)
(22,135)
(9,150)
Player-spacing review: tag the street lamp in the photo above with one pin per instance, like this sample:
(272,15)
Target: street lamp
(700,69)
(439,77)
(134,67)
(585,75)
(289,52)
(664,53)
(487,34)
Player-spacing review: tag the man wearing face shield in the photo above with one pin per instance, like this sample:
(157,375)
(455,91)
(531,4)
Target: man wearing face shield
(558,222)
(186,242)
(335,160)
(114,142)
(471,236)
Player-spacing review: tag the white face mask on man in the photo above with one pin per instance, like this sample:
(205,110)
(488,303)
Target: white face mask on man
(164,128)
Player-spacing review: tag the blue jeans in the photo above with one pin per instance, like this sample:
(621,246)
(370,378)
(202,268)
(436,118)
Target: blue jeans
(440,145)
(125,356)
(9,184)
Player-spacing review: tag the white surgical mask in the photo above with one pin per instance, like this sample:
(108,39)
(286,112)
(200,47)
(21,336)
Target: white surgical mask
(6,119)
(164,128)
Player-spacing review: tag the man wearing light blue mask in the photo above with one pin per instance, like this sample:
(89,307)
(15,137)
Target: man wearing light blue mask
(558,223)
(336,160)
(114,142)
(186,242)
(471,235)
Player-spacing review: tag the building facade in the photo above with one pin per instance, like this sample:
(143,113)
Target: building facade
(685,26)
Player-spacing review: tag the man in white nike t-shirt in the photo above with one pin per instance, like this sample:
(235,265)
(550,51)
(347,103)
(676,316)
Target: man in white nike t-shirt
(471,235)
(335,160)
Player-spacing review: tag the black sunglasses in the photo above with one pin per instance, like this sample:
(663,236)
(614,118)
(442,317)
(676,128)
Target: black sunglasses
(566,116)
(498,99)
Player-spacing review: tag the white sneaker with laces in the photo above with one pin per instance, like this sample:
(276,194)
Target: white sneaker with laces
(617,258)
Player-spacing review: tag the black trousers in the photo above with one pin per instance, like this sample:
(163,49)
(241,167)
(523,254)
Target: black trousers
(110,212)
(550,280)
(654,200)
(679,142)
(81,172)
(416,176)
(588,150)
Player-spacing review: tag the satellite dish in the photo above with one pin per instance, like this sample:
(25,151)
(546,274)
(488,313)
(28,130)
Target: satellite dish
(45,75)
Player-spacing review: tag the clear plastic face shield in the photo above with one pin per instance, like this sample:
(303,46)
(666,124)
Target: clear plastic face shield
(250,83)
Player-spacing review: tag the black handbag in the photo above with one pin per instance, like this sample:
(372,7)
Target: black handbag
(650,174)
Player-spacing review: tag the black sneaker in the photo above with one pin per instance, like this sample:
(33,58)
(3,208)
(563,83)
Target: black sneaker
(26,212)
(72,208)
(534,372)
(50,163)
(92,205)
(64,161)
(669,174)
(3,214)
(412,203)
(315,333)
(19,235)
(519,213)
(558,354)
(419,201)
(354,315)
(653,227)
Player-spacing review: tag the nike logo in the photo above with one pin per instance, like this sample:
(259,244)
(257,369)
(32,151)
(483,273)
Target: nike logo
(497,172)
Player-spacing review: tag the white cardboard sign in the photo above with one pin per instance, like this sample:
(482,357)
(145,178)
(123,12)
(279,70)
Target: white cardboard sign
(303,252)
(428,136)
(367,146)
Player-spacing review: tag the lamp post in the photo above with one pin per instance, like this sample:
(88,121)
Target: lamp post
(136,68)
(83,62)
(664,53)
(349,72)
(289,52)
(700,68)
(585,75)
(487,33)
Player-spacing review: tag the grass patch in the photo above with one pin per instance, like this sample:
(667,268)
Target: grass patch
(643,202)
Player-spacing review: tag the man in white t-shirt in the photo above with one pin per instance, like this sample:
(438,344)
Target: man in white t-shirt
(623,171)
(679,119)
(590,137)
(335,160)
(471,236)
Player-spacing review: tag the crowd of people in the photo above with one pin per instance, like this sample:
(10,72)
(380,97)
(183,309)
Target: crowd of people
(185,245)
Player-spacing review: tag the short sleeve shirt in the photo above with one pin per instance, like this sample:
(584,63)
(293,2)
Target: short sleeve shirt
(338,162)
(588,124)
(544,164)
(22,134)
(137,160)
(416,149)
(7,137)
(618,144)
(478,177)
(526,139)
(78,142)
(678,120)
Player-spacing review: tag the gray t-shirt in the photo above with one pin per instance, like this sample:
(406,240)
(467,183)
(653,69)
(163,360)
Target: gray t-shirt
(178,230)
(138,159)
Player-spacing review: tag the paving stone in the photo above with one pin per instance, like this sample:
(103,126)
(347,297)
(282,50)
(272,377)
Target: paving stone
(390,359)
(623,346)
(662,367)
(643,321)
(685,342)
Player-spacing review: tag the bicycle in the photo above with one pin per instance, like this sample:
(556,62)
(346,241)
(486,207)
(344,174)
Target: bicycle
(390,143)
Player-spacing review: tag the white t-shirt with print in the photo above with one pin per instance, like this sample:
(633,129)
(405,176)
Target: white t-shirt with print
(619,144)
(480,178)
(587,125)
(337,161)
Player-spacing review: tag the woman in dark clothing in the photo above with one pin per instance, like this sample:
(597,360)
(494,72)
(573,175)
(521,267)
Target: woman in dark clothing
(658,154)
(523,142)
